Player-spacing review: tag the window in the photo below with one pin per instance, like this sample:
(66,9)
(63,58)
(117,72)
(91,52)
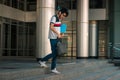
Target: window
(1,1)
(7,2)
(70,4)
(21,5)
(15,3)
(97,3)
(31,5)
(18,38)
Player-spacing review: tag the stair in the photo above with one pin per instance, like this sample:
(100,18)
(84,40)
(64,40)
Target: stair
(88,69)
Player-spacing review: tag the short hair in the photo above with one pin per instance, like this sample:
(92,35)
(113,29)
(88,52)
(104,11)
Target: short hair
(64,10)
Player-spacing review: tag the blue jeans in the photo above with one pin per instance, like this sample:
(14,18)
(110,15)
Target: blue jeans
(53,55)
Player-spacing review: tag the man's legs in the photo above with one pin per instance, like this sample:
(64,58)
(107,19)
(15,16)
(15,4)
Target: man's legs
(53,43)
(47,57)
(54,52)
(53,55)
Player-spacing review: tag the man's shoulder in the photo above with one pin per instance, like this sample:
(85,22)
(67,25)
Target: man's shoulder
(55,17)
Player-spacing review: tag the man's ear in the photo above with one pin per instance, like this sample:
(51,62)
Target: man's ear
(59,12)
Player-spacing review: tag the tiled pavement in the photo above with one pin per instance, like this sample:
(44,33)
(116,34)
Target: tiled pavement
(71,69)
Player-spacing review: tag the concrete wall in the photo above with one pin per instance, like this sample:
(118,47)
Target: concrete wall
(97,14)
(9,12)
(16,14)
(12,13)
(30,16)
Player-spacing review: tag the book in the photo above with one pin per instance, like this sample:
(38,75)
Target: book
(63,28)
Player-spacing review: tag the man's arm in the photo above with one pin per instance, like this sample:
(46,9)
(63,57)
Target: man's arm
(54,30)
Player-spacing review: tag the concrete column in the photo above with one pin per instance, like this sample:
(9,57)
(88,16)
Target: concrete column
(45,10)
(93,39)
(82,28)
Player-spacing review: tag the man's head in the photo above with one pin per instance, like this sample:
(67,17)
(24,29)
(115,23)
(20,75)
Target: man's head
(62,13)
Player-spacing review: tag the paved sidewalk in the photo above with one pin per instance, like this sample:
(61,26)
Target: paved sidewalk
(29,69)
(7,65)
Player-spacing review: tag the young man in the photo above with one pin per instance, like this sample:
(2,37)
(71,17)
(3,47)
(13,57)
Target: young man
(54,34)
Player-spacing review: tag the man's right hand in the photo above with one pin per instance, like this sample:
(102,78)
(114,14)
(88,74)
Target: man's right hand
(60,36)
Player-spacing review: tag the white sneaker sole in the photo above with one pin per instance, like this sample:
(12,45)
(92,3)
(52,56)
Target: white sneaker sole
(55,72)
(44,66)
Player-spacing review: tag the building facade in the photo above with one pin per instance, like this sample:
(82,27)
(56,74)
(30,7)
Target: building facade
(91,26)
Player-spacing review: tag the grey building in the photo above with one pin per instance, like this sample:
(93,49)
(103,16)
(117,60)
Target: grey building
(92,26)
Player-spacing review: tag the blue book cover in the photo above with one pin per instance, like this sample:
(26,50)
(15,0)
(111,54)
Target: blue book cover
(63,28)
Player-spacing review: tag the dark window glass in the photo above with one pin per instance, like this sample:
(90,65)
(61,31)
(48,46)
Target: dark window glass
(97,3)
(74,4)
(1,1)
(70,4)
(19,38)
(0,18)
(7,2)
(6,36)
(21,5)
(15,3)
(13,36)
(31,5)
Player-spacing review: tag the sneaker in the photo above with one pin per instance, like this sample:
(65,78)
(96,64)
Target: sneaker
(55,71)
(42,64)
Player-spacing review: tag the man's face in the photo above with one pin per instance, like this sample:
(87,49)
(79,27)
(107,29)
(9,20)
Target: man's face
(62,16)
